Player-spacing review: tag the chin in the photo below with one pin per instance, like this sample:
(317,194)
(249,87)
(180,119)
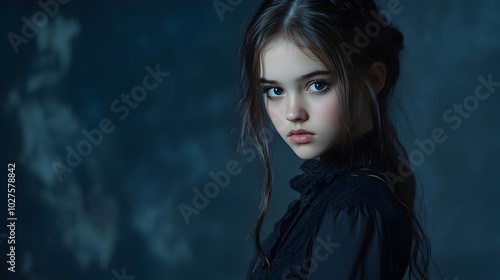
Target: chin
(306,153)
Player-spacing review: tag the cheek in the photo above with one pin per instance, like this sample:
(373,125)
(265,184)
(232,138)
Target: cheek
(274,114)
(329,112)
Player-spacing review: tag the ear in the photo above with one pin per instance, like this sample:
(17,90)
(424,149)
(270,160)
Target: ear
(377,76)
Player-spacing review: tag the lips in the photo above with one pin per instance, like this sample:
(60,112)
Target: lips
(301,136)
(299,132)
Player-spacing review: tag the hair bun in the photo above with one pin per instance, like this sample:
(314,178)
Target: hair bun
(395,36)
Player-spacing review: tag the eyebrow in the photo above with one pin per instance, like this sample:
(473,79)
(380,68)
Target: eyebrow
(299,79)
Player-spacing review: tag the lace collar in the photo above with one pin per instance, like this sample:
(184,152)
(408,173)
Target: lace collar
(321,171)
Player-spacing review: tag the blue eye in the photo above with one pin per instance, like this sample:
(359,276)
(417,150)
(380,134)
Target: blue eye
(272,91)
(318,86)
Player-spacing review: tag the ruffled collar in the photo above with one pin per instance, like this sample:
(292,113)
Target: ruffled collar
(323,170)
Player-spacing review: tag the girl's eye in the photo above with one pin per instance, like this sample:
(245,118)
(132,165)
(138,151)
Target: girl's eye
(273,91)
(318,87)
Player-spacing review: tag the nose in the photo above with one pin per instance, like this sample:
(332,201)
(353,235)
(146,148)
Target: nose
(295,110)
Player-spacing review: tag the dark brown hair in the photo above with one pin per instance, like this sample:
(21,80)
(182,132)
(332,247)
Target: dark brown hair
(330,30)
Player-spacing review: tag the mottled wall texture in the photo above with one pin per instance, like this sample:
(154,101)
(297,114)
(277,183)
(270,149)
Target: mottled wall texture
(118,116)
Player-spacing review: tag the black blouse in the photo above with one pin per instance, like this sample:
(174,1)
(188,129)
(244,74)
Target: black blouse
(346,225)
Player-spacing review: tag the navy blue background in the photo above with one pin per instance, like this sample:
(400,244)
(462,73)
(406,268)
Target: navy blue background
(116,215)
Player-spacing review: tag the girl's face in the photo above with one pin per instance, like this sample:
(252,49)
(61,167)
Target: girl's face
(300,99)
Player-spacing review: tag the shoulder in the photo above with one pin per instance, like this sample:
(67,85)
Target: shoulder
(368,189)
(365,202)
(361,206)
(363,231)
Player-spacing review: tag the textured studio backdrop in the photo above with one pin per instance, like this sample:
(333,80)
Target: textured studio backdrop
(118,116)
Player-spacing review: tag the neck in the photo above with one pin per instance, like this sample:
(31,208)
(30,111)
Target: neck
(365,146)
